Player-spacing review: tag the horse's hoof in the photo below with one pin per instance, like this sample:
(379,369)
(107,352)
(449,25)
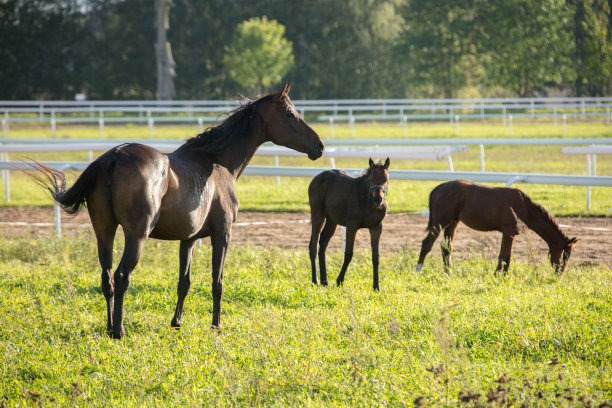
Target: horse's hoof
(324,283)
(419,267)
(117,335)
(338,283)
(175,324)
(216,329)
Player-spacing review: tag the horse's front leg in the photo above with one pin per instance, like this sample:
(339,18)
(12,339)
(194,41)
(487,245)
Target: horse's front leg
(326,234)
(220,243)
(348,252)
(505,253)
(185,257)
(375,234)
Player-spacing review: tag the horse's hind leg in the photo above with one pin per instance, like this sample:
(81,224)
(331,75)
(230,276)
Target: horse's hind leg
(326,234)
(316,219)
(447,245)
(505,253)
(105,227)
(427,244)
(185,257)
(134,243)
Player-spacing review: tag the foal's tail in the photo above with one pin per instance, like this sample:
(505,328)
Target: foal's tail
(430,221)
(73,198)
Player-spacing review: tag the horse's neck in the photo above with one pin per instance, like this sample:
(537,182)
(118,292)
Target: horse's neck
(546,228)
(239,154)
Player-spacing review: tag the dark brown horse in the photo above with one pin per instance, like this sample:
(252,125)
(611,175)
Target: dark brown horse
(185,195)
(491,209)
(339,199)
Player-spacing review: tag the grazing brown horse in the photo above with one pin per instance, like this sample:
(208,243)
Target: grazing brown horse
(491,209)
(185,195)
(339,199)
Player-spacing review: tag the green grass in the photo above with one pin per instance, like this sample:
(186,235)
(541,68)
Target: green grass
(288,343)
(262,193)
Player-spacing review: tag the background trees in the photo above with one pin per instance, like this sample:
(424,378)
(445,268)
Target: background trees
(341,48)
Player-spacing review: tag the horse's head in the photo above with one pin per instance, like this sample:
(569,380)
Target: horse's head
(378,175)
(286,127)
(559,256)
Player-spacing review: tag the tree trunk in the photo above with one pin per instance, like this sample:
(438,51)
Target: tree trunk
(165,62)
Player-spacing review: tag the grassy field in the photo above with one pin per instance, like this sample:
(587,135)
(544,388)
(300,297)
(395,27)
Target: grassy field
(262,193)
(429,338)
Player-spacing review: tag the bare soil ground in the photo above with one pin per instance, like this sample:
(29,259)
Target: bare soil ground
(401,232)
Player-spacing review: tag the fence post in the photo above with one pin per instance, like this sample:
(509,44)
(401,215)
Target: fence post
(405,123)
(7,181)
(151,127)
(4,127)
(482,158)
(583,109)
(450,115)
(532,109)
(457,125)
(588,189)
(276,164)
(57,217)
(352,124)
(510,124)
(564,124)
(200,125)
(53,126)
(331,127)
(503,115)
(101,124)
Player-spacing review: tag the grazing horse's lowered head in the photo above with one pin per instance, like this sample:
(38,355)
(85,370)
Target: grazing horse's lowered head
(560,254)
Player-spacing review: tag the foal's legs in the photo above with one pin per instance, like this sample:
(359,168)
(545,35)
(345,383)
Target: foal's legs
(316,219)
(375,241)
(326,234)
(505,253)
(348,252)
(447,245)
(428,242)
(185,257)
(220,242)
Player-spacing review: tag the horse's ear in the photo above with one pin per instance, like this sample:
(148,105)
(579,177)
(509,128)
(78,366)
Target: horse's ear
(371,162)
(572,241)
(387,162)
(285,90)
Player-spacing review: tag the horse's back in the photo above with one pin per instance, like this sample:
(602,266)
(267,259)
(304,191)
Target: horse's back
(479,207)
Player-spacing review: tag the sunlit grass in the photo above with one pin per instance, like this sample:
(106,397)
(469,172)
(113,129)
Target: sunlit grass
(288,343)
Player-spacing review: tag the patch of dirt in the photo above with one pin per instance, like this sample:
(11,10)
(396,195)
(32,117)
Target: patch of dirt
(401,232)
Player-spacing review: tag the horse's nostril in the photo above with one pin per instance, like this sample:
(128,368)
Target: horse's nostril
(321,146)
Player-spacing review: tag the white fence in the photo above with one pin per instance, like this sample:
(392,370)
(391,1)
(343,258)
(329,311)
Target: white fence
(508,178)
(403,110)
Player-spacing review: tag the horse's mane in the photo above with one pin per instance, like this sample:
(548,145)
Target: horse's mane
(240,122)
(538,211)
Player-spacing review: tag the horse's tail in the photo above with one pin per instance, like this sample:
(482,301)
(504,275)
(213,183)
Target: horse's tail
(430,221)
(73,198)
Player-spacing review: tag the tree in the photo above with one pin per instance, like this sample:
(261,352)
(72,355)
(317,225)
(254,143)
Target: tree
(527,44)
(593,46)
(437,42)
(259,56)
(163,53)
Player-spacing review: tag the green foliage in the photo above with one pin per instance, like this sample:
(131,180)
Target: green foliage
(260,55)
(436,338)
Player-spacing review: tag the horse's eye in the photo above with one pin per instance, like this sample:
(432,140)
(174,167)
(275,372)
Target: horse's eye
(290,115)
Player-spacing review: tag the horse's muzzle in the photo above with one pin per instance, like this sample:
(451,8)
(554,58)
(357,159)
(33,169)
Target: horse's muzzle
(317,153)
